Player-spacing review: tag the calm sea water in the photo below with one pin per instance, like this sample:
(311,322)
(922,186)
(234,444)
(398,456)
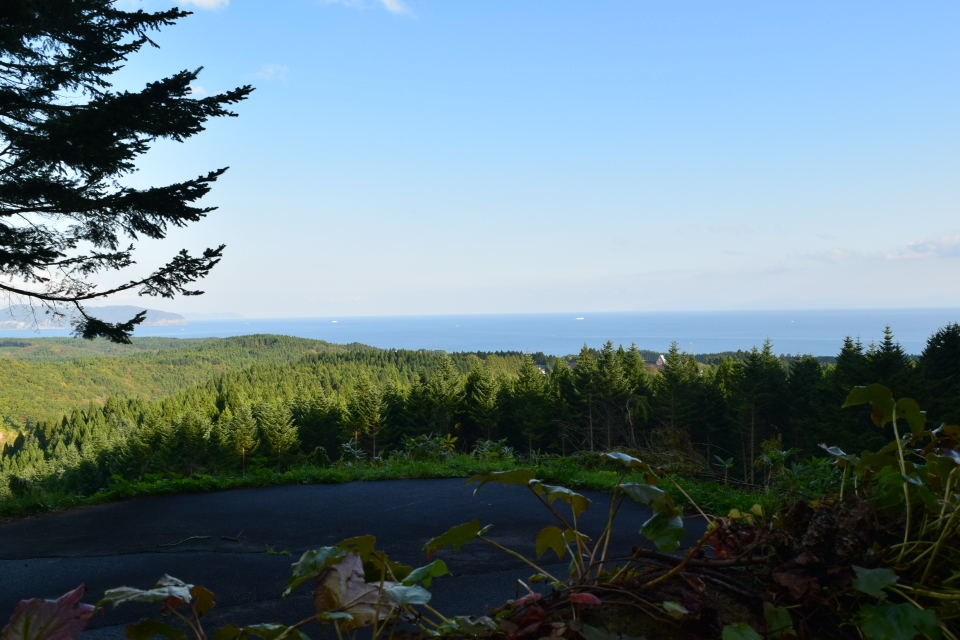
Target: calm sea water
(814,332)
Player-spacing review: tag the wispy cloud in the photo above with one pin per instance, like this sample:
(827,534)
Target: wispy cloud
(942,246)
(208,4)
(198,90)
(832,256)
(945,246)
(274,72)
(393,6)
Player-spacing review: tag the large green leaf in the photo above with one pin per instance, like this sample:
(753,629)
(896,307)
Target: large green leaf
(589,632)
(60,619)
(904,621)
(909,410)
(427,573)
(654,497)
(628,462)
(360,545)
(151,629)
(513,476)
(841,459)
(874,581)
(175,592)
(375,565)
(270,631)
(551,538)
(665,531)
(203,600)
(779,622)
(406,594)
(578,503)
(456,537)
(740,631)
(229,632)
(266,631)
(879,397)
(311,564)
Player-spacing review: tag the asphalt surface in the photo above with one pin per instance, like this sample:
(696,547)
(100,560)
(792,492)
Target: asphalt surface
(221,540)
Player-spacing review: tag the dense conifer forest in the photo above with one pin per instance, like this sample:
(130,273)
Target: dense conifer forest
(220,406)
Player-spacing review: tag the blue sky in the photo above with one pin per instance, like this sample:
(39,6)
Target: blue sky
(428,157)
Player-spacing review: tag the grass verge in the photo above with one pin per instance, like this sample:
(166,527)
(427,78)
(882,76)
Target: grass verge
(711,497)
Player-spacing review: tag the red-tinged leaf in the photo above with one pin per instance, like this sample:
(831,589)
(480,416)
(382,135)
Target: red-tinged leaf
(585,598)
(527,599)
(60,619)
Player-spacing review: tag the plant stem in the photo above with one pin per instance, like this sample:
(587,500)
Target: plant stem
(435,612)
(550,507)
(686,559)
(692,501)
(936,547)
(906,485)
(519,556)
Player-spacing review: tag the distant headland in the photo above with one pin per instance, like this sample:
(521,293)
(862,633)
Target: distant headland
(22,316)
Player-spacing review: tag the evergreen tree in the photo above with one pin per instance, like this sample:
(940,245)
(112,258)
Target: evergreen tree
(889,365)
(367,412)
(244,435)
(480,399)
(939,375)
(278,435)
(585,380)
(761,390)
(803,381)
(445,392)
(528,408)
(67,141)
(676,389)
(848,428)
(563,400)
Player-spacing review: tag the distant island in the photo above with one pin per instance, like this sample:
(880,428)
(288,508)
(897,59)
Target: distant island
(22,316)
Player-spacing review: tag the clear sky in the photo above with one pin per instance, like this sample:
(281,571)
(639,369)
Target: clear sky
(456,156)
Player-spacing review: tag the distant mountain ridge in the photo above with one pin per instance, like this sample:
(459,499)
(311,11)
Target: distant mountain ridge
(22,316)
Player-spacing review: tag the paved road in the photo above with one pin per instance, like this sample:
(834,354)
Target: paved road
(133,543)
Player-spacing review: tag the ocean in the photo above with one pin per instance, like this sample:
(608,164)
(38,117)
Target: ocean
(817,332)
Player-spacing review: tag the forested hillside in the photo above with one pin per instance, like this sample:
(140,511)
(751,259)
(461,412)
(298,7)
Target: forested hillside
(314,402)
(44,378)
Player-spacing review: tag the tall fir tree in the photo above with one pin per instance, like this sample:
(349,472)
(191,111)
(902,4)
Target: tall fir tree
(68,141)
